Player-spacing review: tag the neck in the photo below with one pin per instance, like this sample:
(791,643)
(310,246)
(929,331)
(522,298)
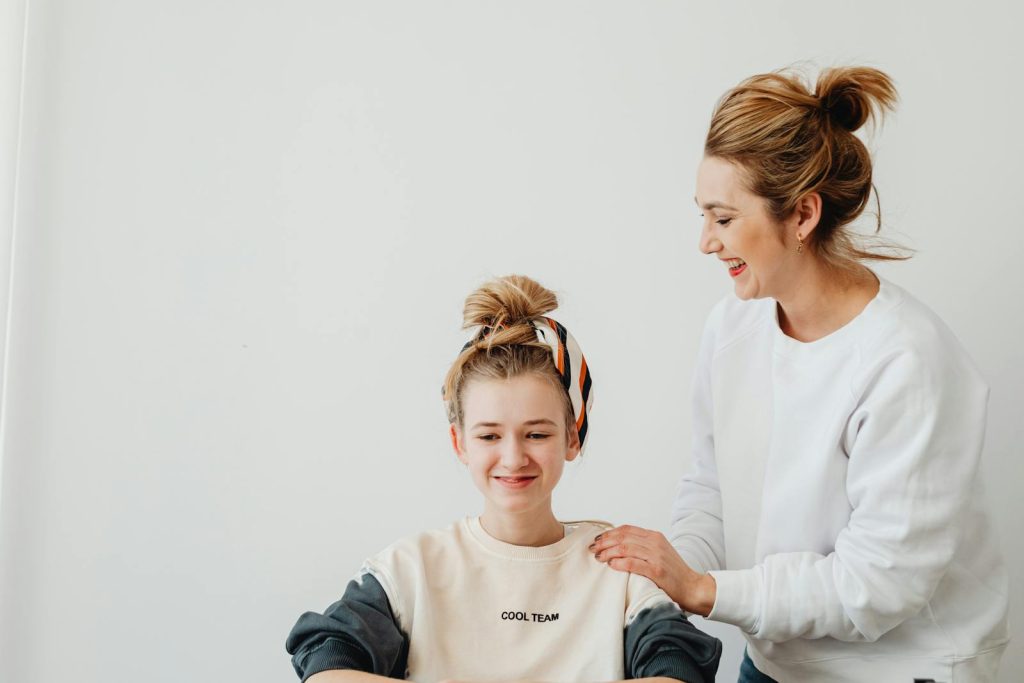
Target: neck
(822,300)
(534,528)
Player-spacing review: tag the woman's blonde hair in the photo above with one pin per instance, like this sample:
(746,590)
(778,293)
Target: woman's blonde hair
(506,345)
(789,141)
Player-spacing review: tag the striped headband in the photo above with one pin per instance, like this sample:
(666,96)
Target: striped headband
(570,364)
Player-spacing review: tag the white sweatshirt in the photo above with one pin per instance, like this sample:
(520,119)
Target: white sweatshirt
(836,497)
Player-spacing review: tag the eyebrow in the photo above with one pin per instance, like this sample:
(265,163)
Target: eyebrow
(537,421)
(714,205)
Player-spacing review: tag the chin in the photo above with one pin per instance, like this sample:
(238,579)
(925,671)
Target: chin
(743,295)
(508,503)
(746,293)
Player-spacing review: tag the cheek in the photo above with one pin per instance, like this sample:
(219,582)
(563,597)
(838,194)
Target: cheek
(749,245)
(479,460)
(555,457)
(759,251)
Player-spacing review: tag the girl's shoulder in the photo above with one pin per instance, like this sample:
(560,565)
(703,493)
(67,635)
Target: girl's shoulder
(597,524)
(414,547)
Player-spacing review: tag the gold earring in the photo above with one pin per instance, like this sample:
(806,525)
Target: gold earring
(799,244)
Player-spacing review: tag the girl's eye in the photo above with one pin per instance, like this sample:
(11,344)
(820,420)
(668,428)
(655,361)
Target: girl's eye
(537,435)
(487,437)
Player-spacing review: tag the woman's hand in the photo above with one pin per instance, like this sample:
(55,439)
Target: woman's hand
(648,553)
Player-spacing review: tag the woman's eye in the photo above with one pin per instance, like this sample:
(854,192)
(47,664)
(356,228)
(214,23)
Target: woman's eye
(724,221)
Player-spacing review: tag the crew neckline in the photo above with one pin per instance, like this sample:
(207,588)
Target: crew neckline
(511,551)
(887,293)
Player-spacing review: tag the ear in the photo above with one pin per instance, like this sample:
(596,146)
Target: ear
(806,215)
(457,443)
(574,444)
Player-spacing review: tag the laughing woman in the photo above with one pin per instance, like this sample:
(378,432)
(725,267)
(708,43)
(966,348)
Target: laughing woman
(835,512)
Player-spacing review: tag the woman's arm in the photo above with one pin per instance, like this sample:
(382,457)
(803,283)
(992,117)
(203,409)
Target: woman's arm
(697,533)
(698,543)
(914,442)
(648,553)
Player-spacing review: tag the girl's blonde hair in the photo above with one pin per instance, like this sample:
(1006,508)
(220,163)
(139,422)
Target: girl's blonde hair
(506,345)
(790,141)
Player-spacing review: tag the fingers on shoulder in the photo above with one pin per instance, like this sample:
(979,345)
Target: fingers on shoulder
(629,564)
(626,535)
(617,550)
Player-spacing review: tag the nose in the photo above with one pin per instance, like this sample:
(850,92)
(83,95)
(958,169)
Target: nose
(513,455)
(709,243)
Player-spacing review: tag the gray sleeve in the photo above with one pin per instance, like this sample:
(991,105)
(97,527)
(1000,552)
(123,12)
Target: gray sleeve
(662,642)
(358,632)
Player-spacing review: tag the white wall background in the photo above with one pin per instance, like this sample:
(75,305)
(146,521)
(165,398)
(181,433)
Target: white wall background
(244,231)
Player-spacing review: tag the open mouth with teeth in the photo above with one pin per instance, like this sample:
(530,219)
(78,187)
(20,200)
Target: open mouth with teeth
(736,266)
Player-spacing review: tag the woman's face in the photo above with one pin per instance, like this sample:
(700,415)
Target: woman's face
(739,231)
(514,441)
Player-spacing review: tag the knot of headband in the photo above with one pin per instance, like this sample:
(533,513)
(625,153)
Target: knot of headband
(569,362)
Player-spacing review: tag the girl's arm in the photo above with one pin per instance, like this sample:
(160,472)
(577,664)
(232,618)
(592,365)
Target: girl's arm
(361,677)
(658,679)
(347,676)
(359,633)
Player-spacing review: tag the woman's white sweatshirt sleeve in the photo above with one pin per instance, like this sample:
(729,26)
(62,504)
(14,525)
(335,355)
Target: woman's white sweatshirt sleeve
(697,532)
(914,441)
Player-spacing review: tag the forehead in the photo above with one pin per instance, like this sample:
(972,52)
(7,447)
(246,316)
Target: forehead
(720,184)
(511,401)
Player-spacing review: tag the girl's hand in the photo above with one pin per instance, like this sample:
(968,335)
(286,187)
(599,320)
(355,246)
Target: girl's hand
(648,553)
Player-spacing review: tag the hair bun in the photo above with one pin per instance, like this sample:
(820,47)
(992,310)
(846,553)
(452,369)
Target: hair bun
(507,301)
(852,95)
(845,108)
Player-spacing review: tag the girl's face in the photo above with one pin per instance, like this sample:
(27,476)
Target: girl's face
(515,442)
(756,250)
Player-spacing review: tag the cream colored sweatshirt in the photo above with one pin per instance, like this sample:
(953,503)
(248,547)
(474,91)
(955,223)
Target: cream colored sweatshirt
(458,604)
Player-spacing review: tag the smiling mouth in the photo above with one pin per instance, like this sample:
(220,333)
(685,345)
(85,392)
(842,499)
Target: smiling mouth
(736,266)
(515,482)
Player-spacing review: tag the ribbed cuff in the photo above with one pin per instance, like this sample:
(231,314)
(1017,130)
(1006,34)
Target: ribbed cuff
(328,655)
(673,664)
(738,597)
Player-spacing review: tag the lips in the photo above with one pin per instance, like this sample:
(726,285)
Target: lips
(520,482)
(735,265)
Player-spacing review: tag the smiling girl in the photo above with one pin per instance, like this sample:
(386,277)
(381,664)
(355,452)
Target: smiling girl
(512,594)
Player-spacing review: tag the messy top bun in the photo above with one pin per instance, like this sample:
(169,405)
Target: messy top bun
(790,141)
(503,309)
(505,344)
(852,95)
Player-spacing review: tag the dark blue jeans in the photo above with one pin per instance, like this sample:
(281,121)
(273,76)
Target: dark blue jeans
(750,674)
